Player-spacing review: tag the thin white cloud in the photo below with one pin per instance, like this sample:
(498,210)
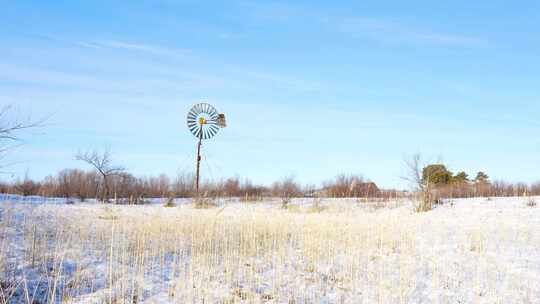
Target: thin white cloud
(377,29)
(135,47)
(448,39)
(271,11)
(392,32)
(173,80)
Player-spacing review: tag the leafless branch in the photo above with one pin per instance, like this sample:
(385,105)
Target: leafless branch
(102,162)
(413,165)
(10,127)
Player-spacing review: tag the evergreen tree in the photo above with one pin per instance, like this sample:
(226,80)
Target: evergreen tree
(481,177)
(461,177)
(436,174)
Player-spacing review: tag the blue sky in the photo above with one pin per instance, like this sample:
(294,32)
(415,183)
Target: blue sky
(310,88)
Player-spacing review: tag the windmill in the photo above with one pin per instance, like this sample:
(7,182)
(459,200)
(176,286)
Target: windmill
(204,121)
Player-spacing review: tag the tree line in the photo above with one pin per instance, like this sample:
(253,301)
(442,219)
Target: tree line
(85,184)
(121,186)
(460,185)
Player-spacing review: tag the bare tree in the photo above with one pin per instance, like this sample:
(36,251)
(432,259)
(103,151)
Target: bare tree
(73,183)
(10,128)
(414,167)
(286,190)
(102,162)
(27,186)
(184,184)
(231,187)
(345,185)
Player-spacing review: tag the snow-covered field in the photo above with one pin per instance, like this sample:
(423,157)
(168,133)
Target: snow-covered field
(465,251)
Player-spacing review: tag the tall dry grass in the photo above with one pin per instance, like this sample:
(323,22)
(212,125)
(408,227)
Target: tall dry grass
(262,254)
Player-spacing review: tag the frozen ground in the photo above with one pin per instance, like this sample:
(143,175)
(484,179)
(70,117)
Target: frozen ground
(465,251)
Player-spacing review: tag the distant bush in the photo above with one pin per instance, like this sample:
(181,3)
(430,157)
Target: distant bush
(350,186)
(531,202)
(286,189)
(204,202)
(170,203)
(142,201)
(27,186)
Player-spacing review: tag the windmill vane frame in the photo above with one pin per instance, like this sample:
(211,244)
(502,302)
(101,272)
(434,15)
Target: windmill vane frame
(204,122)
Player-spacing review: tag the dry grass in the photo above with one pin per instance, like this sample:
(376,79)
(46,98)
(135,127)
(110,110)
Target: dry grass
(261,254)
(204,202)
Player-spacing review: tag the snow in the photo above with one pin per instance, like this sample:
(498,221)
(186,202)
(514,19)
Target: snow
(474,250)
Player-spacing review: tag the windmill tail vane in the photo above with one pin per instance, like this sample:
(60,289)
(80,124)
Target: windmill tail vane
(204,122)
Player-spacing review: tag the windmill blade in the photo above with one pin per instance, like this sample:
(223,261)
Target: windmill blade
(213,132)
(209,132)
(194,130)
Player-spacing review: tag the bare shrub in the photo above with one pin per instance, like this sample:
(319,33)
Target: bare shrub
(204,202)
(531,202)
(74,183)
(27,186)
(184,184)
(285,202)
(424,197)
(286,189)
(170,203)
(251,191)
(231,187)
(426,200)
(350,186)
(535,189)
